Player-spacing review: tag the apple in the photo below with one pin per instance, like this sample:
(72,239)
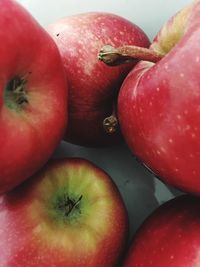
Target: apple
(159,101)
(93,86)
(33,95)
(170,237)
(68,214)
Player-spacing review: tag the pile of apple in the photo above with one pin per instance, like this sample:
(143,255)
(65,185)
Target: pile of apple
(68,212)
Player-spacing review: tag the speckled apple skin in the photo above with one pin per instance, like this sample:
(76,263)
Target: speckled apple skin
(29,135)
(34,233)
(159,104)
(93,86)
(170,237)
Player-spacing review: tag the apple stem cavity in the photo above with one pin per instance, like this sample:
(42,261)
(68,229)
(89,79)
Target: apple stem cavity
(112,56)
(15,93)
(110,124)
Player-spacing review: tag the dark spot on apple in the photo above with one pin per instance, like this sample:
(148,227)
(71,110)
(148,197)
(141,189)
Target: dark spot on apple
(15,94)
(57,34)
(67,204)
(22,100)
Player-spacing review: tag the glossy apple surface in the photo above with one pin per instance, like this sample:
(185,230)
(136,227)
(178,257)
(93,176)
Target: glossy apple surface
(170,237)
(33,95)
(69,214)
(159,104)
(93,87)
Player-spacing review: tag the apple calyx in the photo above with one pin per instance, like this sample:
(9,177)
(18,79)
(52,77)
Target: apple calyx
(112,56)
(15,93)
(67,204)
(110,124)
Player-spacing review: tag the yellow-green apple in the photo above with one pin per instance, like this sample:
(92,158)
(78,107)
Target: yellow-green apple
(93,86)
(68,214)
(170,237)
(159,101)
(33,95)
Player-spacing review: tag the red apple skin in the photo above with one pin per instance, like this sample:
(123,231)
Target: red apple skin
(170,237)
(159,104)
(29,133)
(93,86)
(33,234)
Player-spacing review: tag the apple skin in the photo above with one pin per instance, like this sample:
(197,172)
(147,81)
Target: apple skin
(35,230)
(93,86)
(29,130)
(170,237)
(159,104)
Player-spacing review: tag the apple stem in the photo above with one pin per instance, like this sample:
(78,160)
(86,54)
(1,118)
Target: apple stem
(110,124)
(114,56)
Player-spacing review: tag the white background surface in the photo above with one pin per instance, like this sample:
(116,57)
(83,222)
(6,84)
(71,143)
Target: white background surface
(141,192)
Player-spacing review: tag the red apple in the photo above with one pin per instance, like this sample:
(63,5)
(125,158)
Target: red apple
(32,96)
(93,87)
(170,237)
(159,103)
(69,214)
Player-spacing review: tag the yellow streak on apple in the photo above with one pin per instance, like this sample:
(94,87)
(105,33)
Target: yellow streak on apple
(172,32)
